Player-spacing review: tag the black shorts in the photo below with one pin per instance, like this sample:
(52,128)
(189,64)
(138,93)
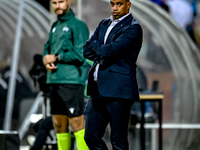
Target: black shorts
(67,99)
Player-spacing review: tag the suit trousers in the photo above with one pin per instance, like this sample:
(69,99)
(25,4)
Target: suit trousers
(101,111)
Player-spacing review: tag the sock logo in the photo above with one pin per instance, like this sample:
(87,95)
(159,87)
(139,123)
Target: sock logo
(71,110)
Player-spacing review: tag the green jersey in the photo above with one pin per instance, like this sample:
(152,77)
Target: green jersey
(67,38)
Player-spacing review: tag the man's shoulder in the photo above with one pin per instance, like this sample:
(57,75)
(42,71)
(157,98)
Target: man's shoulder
(77,22)
(105,21)
(130,20)
(54,23)
(134,22)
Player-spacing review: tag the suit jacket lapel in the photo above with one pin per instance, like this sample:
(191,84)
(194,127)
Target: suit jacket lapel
(104,29)
(118,26)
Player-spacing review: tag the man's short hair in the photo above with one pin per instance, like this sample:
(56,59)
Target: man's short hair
(127,0)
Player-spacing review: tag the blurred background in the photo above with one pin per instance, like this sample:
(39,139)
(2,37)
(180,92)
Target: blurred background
(169,63)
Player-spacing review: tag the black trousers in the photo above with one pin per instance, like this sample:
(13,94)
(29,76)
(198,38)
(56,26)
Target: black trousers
(99,112)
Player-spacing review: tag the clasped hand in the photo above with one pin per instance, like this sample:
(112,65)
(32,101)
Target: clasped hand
(48,61)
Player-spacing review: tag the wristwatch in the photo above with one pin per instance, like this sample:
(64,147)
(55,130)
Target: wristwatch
(57,57)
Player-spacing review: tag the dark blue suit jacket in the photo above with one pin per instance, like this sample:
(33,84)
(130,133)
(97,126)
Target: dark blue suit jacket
(117,58)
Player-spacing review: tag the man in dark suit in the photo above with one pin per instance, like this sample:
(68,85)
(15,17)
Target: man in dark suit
(112,85)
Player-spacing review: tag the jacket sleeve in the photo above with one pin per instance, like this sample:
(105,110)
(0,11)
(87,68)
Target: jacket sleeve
(47,44)
(88,52)
(130,38)
(46,48)
(75,53)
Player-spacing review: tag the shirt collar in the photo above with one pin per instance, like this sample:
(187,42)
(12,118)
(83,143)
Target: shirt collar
(66,16)
(119,19)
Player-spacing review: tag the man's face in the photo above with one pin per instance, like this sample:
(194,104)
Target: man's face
(60,6)
(119,8)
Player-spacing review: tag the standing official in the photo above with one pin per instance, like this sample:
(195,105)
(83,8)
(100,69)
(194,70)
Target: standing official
(114,47)
(63,58)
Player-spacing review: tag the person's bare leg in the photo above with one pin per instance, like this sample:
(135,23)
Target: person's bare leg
(77,123)
(78,126)
(61,126)
(60,123)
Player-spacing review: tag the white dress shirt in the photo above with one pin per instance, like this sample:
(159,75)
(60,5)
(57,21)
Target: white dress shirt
(114,22)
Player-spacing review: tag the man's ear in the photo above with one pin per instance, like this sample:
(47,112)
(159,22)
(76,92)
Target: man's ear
(128,5)
(69,2)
